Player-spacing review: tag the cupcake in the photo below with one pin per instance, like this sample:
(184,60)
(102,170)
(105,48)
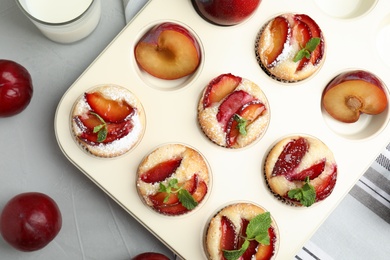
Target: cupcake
(290,47)
(233,112)
(108,121)
(301,170)
(239,224)
(173,179)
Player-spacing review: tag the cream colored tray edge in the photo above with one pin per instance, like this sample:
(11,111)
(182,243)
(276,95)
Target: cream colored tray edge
(116,177)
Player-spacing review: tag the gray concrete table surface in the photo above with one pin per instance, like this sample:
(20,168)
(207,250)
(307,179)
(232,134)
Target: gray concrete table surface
(94,226)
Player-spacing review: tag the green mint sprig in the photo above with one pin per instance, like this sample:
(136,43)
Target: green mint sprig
(101,129)
(305,195)
(257,229)
(241,124)
(184,196)
(306,51)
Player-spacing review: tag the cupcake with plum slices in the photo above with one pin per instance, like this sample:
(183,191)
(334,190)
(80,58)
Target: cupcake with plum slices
(241,231)
(108,121)
(301,170)
(233,112)
(173,180)
(290,47)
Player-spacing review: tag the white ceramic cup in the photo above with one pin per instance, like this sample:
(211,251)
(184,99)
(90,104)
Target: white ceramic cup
(63,21)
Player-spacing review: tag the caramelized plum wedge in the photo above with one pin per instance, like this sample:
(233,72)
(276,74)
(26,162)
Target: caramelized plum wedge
(242,119)
(302,34)
(219,88)
(247,240)
(231,105)
(175,202)
(291,157)
(316,32)
(229,236)
(113,131)
(280,33)
(110,110)
(161,171)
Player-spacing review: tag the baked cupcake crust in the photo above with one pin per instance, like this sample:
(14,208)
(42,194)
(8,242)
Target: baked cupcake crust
(192,163)
(214,130)
(317,152)
(235,213)
(285,69)
(118,146)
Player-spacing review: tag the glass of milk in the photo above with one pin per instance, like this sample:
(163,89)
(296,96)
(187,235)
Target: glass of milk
(63,21)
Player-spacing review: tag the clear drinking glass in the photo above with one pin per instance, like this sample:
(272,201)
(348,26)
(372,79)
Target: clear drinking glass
(63,21)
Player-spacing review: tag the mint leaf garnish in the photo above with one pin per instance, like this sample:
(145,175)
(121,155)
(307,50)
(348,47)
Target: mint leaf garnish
(184,196)
(235,254)
(257,229)
(186,199)
(306,51)
(242,122)
(305,195)
(101,129)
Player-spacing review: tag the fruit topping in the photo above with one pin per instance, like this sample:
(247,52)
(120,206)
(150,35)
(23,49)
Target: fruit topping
(305,53)
(161,171)
(110,110)
(280,34)
(313,183)
(252,235)
(229,236)
(291,157)
(318,52)
(168,197)
(219,88)
(95,130)
(239,122)
(231,105)
(325,187)
(265,252)
(177,198)
(306,195)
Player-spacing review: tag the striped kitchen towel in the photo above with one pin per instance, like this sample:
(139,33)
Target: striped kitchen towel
(372,194)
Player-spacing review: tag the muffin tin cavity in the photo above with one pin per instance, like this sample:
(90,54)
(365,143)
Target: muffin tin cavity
(160,62)
(367,125)
(346,9)
(382,40)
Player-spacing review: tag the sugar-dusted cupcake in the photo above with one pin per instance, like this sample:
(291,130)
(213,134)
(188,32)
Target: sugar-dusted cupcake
(233,112)
(290,47)
(108,120)
(239,226)
(173,179)
(301,170)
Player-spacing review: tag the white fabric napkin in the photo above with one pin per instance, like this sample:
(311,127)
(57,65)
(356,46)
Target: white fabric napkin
(132,7)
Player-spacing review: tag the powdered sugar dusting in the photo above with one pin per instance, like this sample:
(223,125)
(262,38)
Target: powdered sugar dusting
(192,163)
(207,118)
(124,144)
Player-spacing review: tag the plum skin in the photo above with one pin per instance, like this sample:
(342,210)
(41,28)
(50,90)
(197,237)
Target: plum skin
(16,88)
(226,12)
(30,221)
